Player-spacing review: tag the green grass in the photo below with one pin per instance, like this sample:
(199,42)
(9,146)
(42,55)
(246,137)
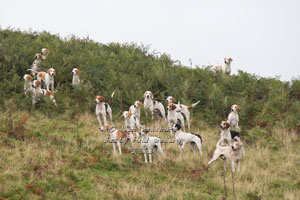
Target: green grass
(50,161)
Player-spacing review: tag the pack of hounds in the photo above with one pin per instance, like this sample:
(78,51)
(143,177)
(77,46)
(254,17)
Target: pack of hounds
(177,114)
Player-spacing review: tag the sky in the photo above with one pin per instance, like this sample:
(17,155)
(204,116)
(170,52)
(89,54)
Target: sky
(262,36)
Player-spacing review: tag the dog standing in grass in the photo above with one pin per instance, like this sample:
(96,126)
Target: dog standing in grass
(103,108)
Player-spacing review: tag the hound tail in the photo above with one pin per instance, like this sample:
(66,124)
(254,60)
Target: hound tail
(193,105)
(218,144)
(111,97)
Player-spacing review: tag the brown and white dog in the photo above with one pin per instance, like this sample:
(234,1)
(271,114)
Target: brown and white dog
(37,92)
(47,78)
(116,136)
(155,107)
(225,132)
(35,67)
(136,109)
(185,110)
(131,121)
(76,79)
(27,83)
(233,118)
(174,115)
(102,108)
(225,68)
(45,52)
(231,153)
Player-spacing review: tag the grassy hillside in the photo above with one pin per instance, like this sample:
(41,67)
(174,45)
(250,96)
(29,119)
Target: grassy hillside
(59,153)
(66,158)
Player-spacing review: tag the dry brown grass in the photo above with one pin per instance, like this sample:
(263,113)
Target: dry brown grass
(53,162)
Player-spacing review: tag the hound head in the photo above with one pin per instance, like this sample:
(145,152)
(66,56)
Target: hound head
(148,95)
(171,106)
(175,127)
(170,99)
(99,99)
(45,52)
(126,114)
(138,104)
(224,125)
(27,78)
(38,56)
(235,108)
(108,128)
(238,143)
(51,72)
(144,131)
(75,71)
(36,84)
(227,60)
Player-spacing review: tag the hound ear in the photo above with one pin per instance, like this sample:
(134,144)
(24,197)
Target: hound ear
(173,106)
(48,71)
(173,100)
(129,114)
(225,59)
(151,95)
(238,108)
(101,99)
(145,95)
(140,104)
(77,71)
(227,125)
(54,72)
(230,59)
(29,77)
(178,126)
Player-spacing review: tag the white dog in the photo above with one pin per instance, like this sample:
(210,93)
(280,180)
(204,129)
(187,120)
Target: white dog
(150,144)
(225,132)
(102,108)
(47,78)
(118,137)
(185,110)
(231,153)
(131,121)
(153,106)
(76,79)
(27,83)
(136,109)
(183,138)
(37,92)
(35,67)
(233,118)
(174,116)
(225,68)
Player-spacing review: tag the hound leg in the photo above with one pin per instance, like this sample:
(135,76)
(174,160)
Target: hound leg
(180,149)
(214,158)
(114,147)
(225,165)
(238,166)
(145,155)
(192,146)
(188,120)
(119,146)
(110,117)
(232,166)
(150,155)
(183,144)
(99,120)
(199,147)
(104,119)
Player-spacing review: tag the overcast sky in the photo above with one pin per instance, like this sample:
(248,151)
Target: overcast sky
(262,36)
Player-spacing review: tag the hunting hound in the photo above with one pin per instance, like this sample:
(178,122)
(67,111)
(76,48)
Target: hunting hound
(185,110)
(155,107)
(183,138)
(231,153)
